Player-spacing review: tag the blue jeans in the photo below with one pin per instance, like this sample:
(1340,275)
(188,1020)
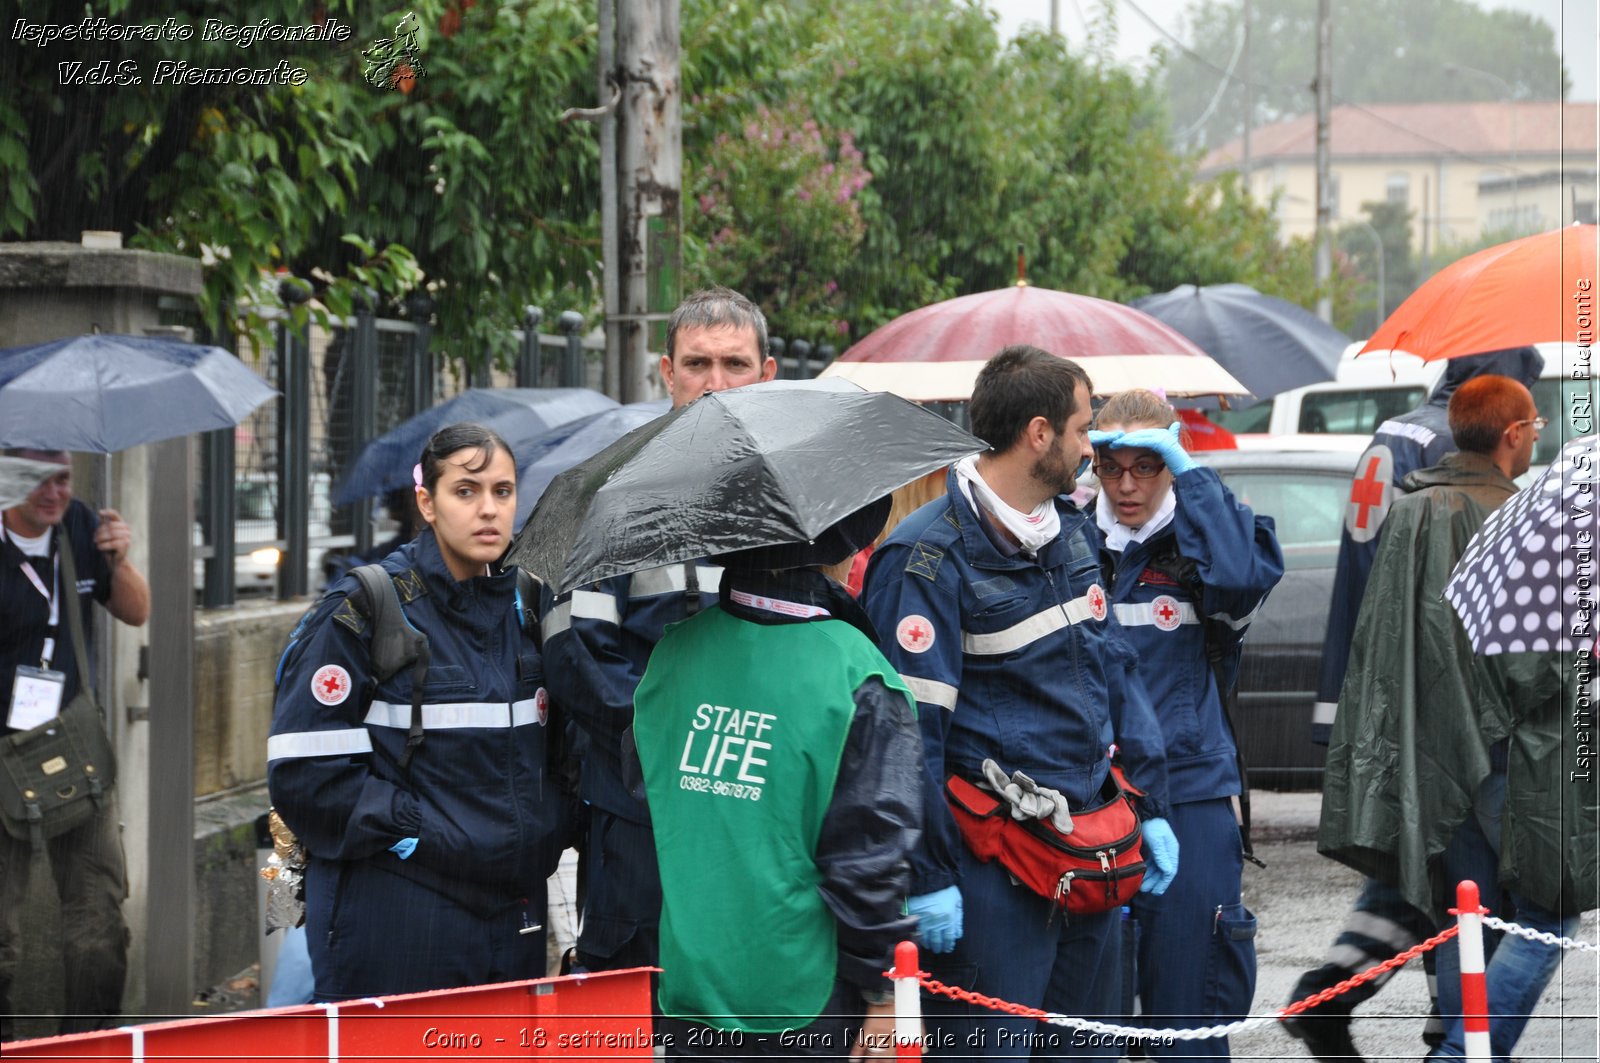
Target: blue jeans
(1517,970)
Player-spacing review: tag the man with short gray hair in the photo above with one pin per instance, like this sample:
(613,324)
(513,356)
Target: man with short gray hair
(598,640)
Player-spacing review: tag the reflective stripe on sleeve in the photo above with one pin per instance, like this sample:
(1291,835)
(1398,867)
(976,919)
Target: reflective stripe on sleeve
(931,691)
(557,620)
(1323,712)
(1031,630)
(670,578)
(1142,614)
(1244,621)
(342,743)
(454,715)
(595,605)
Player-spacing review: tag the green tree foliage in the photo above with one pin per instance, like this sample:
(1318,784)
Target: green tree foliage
(1445,39)
(1392,224)
(456,168)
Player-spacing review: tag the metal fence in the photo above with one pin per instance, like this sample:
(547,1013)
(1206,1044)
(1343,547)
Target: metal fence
(267,523)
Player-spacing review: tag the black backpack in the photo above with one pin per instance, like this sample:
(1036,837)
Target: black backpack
(397,644)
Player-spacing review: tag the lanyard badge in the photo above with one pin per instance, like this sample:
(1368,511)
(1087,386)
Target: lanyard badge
(35,697)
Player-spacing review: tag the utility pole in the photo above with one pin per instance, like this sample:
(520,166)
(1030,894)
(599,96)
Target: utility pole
(1249,100)
(650,185)
(1324,86)
(610,260)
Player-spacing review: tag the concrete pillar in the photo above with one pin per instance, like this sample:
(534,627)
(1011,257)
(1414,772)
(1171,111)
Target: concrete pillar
(51,291)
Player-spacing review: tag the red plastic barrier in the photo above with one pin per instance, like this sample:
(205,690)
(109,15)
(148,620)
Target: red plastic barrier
(589,1015)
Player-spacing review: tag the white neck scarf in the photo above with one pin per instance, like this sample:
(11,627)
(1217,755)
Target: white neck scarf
(1119,535)
(1032,530)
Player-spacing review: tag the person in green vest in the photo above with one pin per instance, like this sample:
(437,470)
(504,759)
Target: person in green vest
(782,765)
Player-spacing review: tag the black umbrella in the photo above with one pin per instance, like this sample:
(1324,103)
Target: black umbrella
(755,466)
(106,393)
(517,414)
(1271,345)
(1529,570)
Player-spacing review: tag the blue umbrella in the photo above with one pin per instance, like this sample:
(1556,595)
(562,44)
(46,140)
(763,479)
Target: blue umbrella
(515,413)
(106,392)
(1268,344)
(1529,570)
(542,459)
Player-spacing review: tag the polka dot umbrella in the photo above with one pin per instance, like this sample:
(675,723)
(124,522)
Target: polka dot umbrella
(1527,582)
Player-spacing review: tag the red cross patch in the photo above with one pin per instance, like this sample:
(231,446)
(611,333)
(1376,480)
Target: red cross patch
(1167,615)
(1370,494)
(331,685)
(1097,601)
(541,706)
(915,633)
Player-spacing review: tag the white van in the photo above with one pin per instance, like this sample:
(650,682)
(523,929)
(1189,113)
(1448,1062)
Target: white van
(1367,391)
(1375,387)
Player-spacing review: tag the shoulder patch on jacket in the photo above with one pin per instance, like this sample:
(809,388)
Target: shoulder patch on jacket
(409,586)
(348,615)
(924,561)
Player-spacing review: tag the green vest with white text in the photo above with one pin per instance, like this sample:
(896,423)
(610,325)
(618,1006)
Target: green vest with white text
(740,729)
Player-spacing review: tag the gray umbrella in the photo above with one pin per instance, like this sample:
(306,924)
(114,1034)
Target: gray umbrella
(1529,572)
(755,466)
(106,393)
(19,476)
(1269,344)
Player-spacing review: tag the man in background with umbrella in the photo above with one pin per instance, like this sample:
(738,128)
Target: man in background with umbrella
(86,861)
(1416,776)
(989,604)
(1381,925)
(598,640)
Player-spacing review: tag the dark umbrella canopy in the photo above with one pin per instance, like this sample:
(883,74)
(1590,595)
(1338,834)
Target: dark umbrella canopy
(515,413)
(1518,585)
(543,458)
(755,466)
(1270,344)
(106,393)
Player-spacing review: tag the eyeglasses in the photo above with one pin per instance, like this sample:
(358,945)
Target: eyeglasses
(1109,472)
(1539,423)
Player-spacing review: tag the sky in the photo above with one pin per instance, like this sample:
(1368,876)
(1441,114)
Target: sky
(1573,21)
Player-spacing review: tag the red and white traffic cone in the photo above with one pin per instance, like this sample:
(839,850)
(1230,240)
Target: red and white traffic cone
(1474,989)
(907,1002)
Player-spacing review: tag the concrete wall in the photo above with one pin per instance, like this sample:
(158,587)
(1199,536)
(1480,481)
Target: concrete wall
(235,655)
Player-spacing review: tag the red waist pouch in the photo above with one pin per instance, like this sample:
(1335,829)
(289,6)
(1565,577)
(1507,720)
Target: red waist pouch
(1095,868)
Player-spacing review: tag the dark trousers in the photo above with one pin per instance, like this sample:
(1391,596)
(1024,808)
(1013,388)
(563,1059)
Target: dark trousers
(373,933)
(1020,947)
(92,882)
(829,1036)
(622,899)
(1197,948)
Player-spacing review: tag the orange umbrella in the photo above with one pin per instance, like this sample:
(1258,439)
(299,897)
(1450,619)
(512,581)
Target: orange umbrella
(1539,289)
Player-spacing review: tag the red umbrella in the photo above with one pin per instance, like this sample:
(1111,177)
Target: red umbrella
(1539,289)
(934,353)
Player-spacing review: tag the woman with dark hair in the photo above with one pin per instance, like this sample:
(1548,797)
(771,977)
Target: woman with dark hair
(1186,567)
(428,846)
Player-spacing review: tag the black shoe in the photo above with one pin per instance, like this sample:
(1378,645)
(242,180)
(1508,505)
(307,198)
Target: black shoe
(1326,1036)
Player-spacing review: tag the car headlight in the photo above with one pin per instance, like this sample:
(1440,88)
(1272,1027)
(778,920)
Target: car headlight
(267,555)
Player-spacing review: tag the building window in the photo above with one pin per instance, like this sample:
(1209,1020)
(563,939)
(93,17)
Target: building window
(1397,189)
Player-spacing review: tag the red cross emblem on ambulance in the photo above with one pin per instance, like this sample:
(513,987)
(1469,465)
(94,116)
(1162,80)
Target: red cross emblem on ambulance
(330,685)
(1166,612)
(1097,601)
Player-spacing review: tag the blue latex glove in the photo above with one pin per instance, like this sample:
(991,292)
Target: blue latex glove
(1161,857)
(1164,441)
(938,918)
(1098,439)
(404,847)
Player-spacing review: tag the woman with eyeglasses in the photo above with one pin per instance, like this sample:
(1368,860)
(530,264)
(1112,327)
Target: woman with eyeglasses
(1186,567)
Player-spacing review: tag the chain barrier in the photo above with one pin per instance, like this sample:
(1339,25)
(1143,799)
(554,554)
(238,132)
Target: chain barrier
(967,996)
(1540,936)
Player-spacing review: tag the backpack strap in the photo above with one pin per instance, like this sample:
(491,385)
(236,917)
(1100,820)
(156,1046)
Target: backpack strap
(395,643)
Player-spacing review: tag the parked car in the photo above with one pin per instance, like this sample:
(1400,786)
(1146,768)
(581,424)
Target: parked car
(1304,486)
(1368,391)
(258,550)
